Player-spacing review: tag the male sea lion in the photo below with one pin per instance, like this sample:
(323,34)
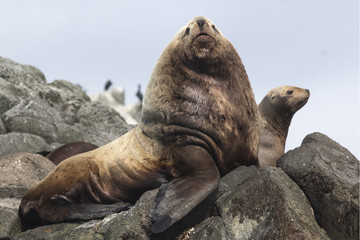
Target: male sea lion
(65,151)
(276,111)
(199,122)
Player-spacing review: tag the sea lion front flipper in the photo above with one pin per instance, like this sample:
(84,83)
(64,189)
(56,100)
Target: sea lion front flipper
(175,199)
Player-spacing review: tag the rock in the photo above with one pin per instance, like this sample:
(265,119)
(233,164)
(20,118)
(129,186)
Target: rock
(2,128)
(58,113)
(9,224)
(18,173)
(100,124)
(210,228)
(21,142)
(67,91)
(22,76)
(329,176)
(35,117)
(267,205)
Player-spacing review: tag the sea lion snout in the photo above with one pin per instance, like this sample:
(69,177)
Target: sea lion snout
(200,22)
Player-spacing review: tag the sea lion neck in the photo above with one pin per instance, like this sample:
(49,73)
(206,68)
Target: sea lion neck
(277,118)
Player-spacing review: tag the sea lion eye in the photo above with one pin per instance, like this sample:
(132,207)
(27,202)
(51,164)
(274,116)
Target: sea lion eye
(187,31)
(215,29)
(289,92)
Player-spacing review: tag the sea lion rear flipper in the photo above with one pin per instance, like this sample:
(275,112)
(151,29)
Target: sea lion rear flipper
(175,199)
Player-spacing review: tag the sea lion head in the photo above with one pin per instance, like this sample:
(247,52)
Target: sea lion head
(286,99)
(276,111)
(200,41)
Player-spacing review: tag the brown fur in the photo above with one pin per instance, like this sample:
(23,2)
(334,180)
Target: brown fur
(199,122)
(276,111)
(68,150)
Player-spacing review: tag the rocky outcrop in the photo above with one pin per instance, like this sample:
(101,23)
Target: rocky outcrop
(36,116)
(329,176)
(251,204)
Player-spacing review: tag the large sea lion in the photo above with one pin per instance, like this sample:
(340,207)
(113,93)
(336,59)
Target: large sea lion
(199,121)
(276,111)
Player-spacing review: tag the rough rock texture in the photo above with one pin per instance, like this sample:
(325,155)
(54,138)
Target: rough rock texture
(210,228)
(267,205)
(49,115)
(329,176)
(18,173)
(15,142)
(9,223)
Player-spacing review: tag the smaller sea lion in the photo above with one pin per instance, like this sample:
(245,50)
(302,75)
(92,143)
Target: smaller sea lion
(68,150)
(276,111)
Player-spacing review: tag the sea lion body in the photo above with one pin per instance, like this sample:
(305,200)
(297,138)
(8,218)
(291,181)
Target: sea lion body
(276,111)
(199,121)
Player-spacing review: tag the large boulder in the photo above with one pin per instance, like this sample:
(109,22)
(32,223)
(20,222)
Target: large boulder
(329,176)
(49,115)
(266,204)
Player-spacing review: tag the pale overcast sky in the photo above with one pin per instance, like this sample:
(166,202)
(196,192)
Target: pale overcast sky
(312,44)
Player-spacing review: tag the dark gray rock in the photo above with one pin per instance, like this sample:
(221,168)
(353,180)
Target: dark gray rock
(235,178)
(210,228)
(268,205)
(329,176)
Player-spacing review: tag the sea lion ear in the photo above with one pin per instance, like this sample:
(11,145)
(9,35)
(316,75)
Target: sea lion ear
(178,197)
